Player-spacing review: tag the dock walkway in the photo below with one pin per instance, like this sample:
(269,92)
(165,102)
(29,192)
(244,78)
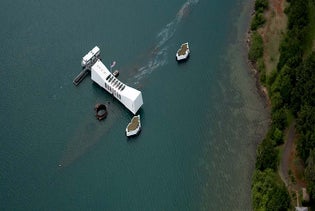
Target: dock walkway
(77,80)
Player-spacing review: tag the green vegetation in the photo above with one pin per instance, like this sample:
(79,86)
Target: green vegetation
(259,19)
(268,191)
(267,156)
(300,90)
(291,88)
(309,37)
(291,50)
(257,47)
(256,50)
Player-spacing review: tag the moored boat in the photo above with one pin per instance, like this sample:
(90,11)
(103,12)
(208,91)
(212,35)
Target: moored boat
(116,73)
(183,52)
(134,127)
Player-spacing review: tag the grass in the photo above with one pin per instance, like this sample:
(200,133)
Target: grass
(256,49)
(273,32)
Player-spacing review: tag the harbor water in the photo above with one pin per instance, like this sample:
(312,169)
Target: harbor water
(201,120)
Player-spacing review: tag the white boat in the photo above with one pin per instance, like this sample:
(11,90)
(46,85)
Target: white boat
(134,127)
(183,52)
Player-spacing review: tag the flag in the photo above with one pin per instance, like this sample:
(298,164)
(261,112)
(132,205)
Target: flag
(113,64)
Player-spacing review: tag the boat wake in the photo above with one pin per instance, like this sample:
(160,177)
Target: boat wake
(158,56)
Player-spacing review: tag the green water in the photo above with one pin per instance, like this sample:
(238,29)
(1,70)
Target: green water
(201,119)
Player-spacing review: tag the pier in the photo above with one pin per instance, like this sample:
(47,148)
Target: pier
(87,62)
(79,78)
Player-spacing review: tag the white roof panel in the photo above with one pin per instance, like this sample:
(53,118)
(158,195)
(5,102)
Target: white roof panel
(131,93)
(88,56)
(101,69)
(91,53)
(95,50)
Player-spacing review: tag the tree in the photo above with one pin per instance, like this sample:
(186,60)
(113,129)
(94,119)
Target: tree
(286,83)
(306,119)
(278,136)
(305,77)
(257,21)
(298,14)
(276,101)
(269,192)
(279,118)
(261,5)
(305,143)
(267,156)
(305,126)
(310,166)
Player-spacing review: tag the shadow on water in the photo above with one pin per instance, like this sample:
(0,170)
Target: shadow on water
(133,139)
(91,131)
(85,136)
(181,62)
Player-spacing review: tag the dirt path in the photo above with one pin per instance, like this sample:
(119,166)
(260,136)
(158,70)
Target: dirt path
(289,162)
(278,5)
(287,154)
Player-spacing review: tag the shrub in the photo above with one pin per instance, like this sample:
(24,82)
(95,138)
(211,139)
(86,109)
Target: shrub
(266,156)
(271,78)
(279,118)
(278,136)
(261,64)
(257,21)
(261,5)
(268,192)
(261,69)
(256,49)
(276,101)
(263,77)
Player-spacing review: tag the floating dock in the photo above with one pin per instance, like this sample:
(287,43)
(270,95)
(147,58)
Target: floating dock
(77,80)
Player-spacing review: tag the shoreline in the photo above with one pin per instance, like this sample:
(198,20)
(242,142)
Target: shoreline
(261,89)
(269,25)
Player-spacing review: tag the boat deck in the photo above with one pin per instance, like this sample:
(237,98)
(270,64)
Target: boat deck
(134,124)
(183,49)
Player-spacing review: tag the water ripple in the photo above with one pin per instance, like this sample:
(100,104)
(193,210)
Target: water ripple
(158,57)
